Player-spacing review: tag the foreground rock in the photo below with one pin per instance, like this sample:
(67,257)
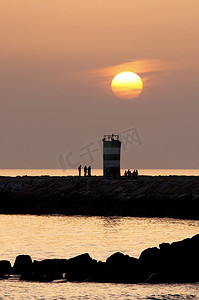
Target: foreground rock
(5,269)
(159,196)
(123,268)
(23,263)
(176,262)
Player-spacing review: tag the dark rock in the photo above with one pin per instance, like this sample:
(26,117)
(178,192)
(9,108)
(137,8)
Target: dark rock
(195,240)
(53,267)
(123,268)
(5,268)
(151,259)
(50,266)
(40,277)
(184,260)
(100,272)
(164,246)
(80,268)
(155,278)
(46,270)
(176,262)
(23,264)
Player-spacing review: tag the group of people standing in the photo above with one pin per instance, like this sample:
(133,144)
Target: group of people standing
(87,171)
(131,175)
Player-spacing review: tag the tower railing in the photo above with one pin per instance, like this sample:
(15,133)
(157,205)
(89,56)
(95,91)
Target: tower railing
(111,137)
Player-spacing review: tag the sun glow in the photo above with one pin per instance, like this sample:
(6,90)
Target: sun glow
(127,85)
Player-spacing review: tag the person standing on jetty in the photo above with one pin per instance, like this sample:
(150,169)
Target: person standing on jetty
(89,171)
(129,174)
(79,169)
(135,174)
(85,170)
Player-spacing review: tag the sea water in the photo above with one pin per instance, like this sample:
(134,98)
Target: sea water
(67,236)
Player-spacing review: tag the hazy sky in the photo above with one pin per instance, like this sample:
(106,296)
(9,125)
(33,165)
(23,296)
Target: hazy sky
(57,60)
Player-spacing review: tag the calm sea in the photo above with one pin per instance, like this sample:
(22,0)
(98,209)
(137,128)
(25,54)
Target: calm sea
(67,236)
(97,172)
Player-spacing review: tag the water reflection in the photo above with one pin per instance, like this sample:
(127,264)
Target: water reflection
(91,291)
(111,221)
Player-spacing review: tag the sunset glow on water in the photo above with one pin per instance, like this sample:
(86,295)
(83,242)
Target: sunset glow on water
(63,237)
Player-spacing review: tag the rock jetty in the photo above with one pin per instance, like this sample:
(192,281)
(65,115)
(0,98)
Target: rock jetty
(170,263)
(158,196)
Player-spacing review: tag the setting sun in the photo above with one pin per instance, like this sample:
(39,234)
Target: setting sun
(127,85)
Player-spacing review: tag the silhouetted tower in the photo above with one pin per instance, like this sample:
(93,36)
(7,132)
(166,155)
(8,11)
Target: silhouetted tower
(111,156)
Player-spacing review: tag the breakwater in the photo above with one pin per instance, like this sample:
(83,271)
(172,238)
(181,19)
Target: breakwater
(148,196)
(175,262)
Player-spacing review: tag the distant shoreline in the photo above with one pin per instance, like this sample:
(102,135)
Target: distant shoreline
(149,196)
(96,172)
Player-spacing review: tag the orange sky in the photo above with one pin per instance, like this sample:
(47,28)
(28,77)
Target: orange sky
(55,94)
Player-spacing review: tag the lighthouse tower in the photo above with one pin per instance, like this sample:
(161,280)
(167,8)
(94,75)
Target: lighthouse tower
(111,156)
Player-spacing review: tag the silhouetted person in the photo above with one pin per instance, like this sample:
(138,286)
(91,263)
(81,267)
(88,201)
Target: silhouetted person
(85,170)
(79,169)
(136,174)
(89,171)
(125,175)
(129,174)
